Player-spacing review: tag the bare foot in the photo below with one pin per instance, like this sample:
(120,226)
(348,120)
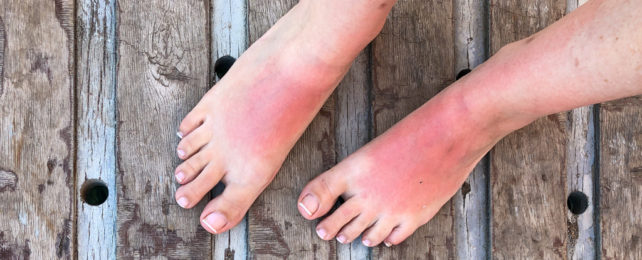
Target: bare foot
(243,128)
(400,180)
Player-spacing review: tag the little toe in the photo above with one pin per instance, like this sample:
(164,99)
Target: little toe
(193,120)
(378,232)
(399,234)
(331,225)
(353,229)
(318,196)
(191,193)
(189,169)
(227,210)
(193,142)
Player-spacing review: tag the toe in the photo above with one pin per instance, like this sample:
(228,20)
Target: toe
(193,120)
(399,234)
(193,142)
(227,210)
(378,232)
(189,169)
(355,228)
(190,194)
(318,197)
(331,225)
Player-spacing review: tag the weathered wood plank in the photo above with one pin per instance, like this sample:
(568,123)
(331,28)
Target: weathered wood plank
(580,172)
(528,167)
(621,178)
(413,59)
(353,128)
(37,130)
(163,66)
(229,37)
(96,131)
(276,229)
(472,215)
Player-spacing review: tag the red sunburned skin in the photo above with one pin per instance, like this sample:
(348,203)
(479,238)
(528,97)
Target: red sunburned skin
(399,181)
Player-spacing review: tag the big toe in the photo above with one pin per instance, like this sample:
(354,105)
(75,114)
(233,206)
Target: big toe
(318,197)
(227,210)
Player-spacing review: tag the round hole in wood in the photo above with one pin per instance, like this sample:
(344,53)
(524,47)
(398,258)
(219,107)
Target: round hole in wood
(94,192)
(577,202)
(223,64)
(462,73)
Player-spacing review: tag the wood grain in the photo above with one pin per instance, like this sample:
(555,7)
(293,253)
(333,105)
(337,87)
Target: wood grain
(163,60)
(413,59)
(353,128)
(472,214)
(621,178)
(96,131)
(229,37)
(37,130)
(528,167)
(276,229)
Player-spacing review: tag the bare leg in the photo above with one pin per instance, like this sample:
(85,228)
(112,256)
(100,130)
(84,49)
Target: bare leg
(242,129)
(401,179)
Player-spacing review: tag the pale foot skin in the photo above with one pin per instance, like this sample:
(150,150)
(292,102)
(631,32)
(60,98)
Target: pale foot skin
(243,128)
(401,179)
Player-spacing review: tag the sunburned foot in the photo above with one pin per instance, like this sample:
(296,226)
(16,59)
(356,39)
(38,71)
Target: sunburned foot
(243,128)
(400,180)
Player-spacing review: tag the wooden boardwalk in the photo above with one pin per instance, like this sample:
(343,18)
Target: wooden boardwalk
(92,91)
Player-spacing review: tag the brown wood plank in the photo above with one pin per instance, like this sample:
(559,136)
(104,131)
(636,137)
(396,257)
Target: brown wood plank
(37,130)
(621,178)
(413,59)
(528,167)
(163,70)
(276,229)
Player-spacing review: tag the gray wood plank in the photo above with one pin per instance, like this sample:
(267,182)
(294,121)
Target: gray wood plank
(353,128)
(163,66)
(620,178)
(528,167)
(37,130)
(472,215)
(276,229)
(580,172)
(96,132)
(229,37)
(413,59)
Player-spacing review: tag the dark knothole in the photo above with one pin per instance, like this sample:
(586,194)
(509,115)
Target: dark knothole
(577,202)
(94,192)
(462,73)
(223,64)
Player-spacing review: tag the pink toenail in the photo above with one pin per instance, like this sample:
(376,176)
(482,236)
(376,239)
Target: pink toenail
(367,243)
(215,221)
(179,135)
(180,176)
(309,204)
(387,243)
(341,239)
(180,153)
(321,232)
(183,202)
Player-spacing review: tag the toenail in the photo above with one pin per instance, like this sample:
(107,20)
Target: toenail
(180,176)
(215,221)
(367,243)
(321,232)
(180,153)
(183,202)
(179,135)
(309,204)
(342,239)
(387,243)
